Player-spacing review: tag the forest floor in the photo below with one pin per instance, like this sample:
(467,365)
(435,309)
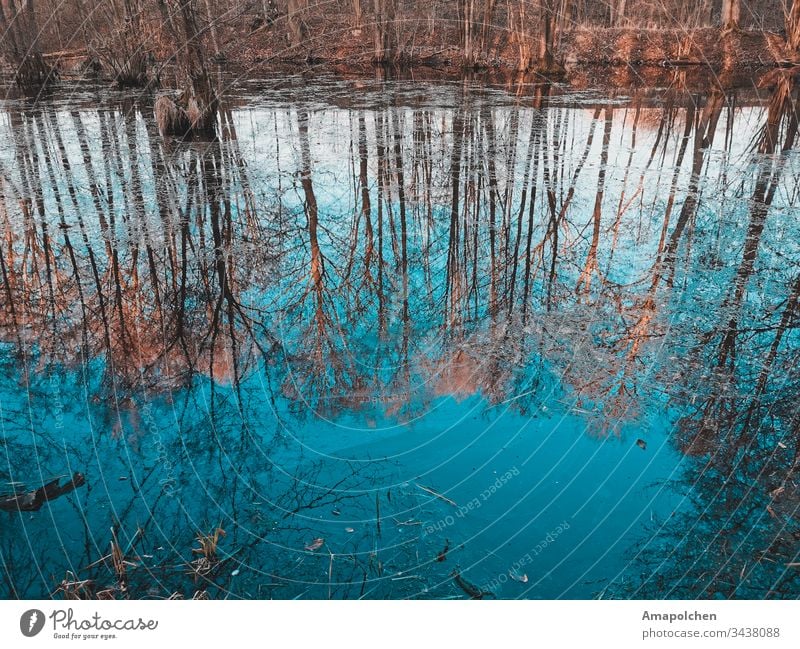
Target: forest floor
(437,47)
(589,56)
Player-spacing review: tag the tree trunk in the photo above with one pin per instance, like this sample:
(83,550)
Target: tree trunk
(488,16)
(793,27)
(546,34)
(196,109)
(384,30)
(707,13)
(212,27)
(467,27)
(731,14)
(19,35)
(166,17)
(518,19)
(618,8)
(297,26)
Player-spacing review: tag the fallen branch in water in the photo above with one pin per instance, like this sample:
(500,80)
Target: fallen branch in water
(32,501)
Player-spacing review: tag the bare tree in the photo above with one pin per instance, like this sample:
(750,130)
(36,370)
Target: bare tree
(793,27)
(295,21)
(466,22)
(195,111)
(533,47)
(385,39)
(518,23)
(212,19)
(19,36)
(731,14)
(618,8)
(547,33)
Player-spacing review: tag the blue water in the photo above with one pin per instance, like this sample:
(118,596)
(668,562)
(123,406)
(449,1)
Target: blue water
(293,338)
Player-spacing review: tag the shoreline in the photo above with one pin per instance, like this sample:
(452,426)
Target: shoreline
(585,57)
(710,48)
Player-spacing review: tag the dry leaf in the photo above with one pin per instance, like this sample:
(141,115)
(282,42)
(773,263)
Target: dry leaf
(316,544)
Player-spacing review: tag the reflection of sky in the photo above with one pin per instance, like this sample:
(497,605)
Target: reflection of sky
(453,433)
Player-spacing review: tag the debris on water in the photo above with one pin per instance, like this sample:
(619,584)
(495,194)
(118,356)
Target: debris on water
(410,521)
(641,444)
(523,578)
(437,494)
(470,589)
(316,544)
(32,501)
(349,530)
(235,572)
(123,478)
(443,552)
(336,512)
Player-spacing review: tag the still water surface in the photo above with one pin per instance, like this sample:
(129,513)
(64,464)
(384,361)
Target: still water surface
(382,333)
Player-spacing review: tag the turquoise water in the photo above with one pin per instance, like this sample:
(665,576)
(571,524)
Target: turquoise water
(382,334)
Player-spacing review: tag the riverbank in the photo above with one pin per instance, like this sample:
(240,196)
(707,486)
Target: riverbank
(584,57)
(343,46)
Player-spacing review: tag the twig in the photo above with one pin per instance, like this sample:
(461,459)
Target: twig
(438,495)
(378,512)
(330,573)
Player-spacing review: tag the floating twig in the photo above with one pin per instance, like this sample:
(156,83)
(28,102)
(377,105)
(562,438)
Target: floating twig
(436,494)
(471,589)
(378,513)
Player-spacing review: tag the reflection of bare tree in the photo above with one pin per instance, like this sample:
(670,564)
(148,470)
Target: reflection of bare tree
(735,539)
(479,252)
(20,41)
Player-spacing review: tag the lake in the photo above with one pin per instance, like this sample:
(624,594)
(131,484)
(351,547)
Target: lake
(402,339)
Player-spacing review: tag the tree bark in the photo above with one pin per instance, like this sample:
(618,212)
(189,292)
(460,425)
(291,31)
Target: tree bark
(19,37)
(618,8)
(294,18)
(546,34)
(384,40)
(731,14)
(196,109)
(793,27)
(488,16)
(518,20)
(467,27)
(212,27)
